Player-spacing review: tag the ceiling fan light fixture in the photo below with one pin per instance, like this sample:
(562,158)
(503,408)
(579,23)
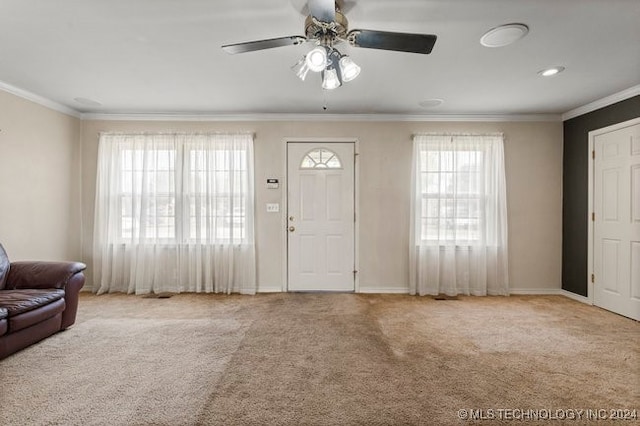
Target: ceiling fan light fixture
(349,69)
(316,59)
(330,79)
(327,26)
(301,69)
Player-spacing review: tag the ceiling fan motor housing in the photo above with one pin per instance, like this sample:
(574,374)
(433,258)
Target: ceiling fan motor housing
(327,32)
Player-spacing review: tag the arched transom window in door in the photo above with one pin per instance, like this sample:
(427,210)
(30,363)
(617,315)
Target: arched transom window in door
(321,158)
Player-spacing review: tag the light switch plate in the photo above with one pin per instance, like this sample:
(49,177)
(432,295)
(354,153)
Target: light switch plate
(273,207)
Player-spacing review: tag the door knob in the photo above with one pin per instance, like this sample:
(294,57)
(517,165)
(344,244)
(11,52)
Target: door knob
(292,228)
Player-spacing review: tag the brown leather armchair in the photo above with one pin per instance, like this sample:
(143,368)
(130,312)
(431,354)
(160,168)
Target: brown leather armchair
(37,299)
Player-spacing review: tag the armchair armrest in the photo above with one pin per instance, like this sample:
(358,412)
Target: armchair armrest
(42,274)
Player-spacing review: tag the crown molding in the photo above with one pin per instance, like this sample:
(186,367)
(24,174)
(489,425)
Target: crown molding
(40,100)
(275,117)
(601,103)
(324,117)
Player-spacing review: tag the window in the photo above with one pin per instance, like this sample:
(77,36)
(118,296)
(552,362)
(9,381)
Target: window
(216,184)
(211,195)
(458,215)
(451,193)
(321,158)
(174,212)
(156,171)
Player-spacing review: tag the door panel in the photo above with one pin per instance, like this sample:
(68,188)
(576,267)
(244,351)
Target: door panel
(610,199)
(635,269)
(610,265)
(616,230)
(321,228)
(635,193)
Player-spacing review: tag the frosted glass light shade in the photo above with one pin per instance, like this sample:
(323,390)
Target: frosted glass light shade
(348,68)
(317,59)
(330,80)
(301,69)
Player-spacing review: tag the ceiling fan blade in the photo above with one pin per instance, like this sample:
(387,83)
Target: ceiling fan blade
(402,42)
(251,46)
(323,10)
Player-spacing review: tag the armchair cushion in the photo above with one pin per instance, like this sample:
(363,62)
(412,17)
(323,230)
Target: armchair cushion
(34,317)
(4,267)
(17,302)
(42,275)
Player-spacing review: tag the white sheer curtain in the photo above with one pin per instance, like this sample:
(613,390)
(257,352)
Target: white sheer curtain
(174,213)
(458,216)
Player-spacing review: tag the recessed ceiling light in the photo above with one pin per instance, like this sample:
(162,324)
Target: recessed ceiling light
(431,103)
(551,71)
(504,35)
(87,102)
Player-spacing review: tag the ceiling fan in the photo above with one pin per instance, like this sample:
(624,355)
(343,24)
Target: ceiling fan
(327,26)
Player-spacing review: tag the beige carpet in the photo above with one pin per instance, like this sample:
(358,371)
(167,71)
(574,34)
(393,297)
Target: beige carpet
(323,359)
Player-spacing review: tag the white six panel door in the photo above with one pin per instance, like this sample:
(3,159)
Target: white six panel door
(616,249)
(321,216)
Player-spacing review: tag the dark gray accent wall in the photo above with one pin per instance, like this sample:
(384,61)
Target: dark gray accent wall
(575,185)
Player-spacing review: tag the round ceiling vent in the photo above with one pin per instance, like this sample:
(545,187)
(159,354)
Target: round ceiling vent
(431,103)
(504,35)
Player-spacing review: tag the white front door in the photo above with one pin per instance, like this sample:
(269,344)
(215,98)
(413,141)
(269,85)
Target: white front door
(321,216)
(616,249)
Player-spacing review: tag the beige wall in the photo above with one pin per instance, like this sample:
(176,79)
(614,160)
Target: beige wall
(39,181)
(533,154)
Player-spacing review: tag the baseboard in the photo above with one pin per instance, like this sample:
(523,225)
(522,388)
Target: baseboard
(383,290)
(576,297)
(515,291)
(549,291)
(534,291)
(368,290)
(269,289)
(399,290)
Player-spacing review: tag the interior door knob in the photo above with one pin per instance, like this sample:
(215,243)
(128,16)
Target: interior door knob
(292,228)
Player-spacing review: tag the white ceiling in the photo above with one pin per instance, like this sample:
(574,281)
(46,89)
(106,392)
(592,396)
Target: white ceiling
(164,56)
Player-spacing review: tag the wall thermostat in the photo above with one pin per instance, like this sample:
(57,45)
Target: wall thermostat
(273,184)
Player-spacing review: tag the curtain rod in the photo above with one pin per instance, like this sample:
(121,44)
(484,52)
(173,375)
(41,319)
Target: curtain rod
(458,134)
(176,133)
